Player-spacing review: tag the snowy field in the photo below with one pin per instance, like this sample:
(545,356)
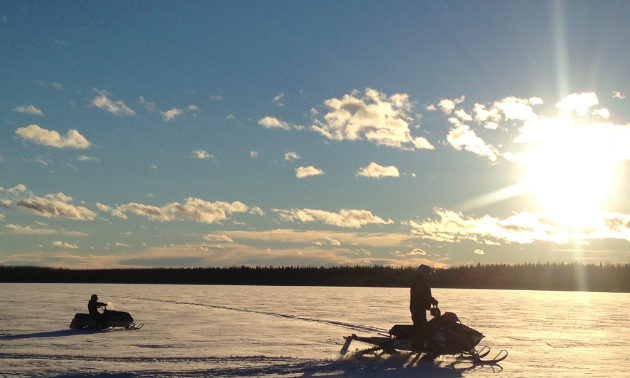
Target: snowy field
(246,331)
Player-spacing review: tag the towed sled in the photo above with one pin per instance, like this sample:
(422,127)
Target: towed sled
(107,319)
(445,335)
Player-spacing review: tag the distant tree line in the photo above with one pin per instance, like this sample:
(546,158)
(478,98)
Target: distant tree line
(548,276)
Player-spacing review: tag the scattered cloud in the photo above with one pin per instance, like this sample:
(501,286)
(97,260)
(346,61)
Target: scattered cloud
(378,171)
(52,84)
(112,211)
(218,238)
(38,135)
(479,252)
(121,245)
(253,154)
(618,95)
(291,156)
(230,116)
(217,97)
(302,172)
(201,154)
(52,205)
(275,123)
(87,158)
(28,230)
(580,103)
(380,119)
(345,218)
(118,108)
(461,137)
(28,109)
(59,243)
(522,228)
(417,252)
(256,210)
(194,209)
(149,106)
(278,98)
(447,106)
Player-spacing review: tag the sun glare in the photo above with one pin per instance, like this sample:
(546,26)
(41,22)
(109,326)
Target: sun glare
(571,173)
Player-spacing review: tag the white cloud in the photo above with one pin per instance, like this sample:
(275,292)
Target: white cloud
(447,106)
(113,212)
(50,138)
(256,210)
(253,154)
(218,238)
(380,119)
(278,98)
(517,108)
(115,107)
(522,228)
(603,112)
(171,114)
(216,97)
(345,218)
(87,158)
(417,252)
(194,209)
(230,116)
(479,252)
(378,171)
(28,230)
(149,106)
(291,156)
(618,95)
(59,243)
(52,84)
(302,172)
(461,114)
(121,245)
(512,108)
(578,102)
(274,123)
(462,137)
(28,109)
(201,154)
(52,207)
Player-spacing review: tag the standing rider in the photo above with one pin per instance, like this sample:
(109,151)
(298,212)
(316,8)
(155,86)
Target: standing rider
(421,301)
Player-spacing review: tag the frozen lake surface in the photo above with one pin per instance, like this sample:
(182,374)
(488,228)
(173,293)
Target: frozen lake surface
(244,331)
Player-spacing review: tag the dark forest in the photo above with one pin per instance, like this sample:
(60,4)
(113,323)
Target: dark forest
(548,276)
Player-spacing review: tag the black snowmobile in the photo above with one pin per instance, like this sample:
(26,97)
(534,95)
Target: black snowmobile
(107,319)
(446,335)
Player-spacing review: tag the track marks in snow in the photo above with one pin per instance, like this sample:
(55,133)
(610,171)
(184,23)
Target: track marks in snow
(354,327)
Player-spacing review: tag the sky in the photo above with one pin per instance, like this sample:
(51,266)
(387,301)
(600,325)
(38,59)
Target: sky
(271,133)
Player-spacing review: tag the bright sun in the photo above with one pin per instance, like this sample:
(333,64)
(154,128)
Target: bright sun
(571,173)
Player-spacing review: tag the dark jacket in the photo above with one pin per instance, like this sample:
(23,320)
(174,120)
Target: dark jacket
(93,307)
(421,298)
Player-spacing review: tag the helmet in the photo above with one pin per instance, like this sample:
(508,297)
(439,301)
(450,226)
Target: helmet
(94,297)
(426,270)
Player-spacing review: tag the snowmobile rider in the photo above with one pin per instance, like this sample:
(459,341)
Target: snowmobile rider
(93,306)
(421,301)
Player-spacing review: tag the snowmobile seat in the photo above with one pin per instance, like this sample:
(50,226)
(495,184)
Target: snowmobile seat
(402,331)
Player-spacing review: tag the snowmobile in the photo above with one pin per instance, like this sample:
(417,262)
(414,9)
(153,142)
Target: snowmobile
(445,335)
(107,319)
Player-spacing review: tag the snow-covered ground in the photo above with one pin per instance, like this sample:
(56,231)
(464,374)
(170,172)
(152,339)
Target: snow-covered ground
(243,331)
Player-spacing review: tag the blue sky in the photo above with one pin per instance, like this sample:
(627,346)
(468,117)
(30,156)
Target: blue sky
(313,133)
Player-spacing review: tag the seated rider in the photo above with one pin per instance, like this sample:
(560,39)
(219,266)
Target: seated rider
(93,306)
(421,301)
